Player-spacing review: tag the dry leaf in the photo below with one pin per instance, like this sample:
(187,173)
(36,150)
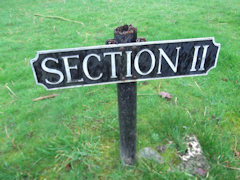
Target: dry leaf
(224,79)
(165,95)
(236,153)
(68,167)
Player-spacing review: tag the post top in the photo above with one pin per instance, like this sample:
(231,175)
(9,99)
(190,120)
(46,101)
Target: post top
(125,34)
(125,29)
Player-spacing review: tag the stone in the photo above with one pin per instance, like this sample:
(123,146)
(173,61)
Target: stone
(194,160)
(150,154)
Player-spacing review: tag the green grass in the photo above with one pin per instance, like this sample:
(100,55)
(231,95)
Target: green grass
(38,140)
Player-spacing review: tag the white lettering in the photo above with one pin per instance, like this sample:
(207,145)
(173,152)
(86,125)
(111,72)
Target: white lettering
(113,62)
(129,73)
(53,71)
(136,62)
(163,54)
(203,57)
(68,68)
(196,49)
(85,68)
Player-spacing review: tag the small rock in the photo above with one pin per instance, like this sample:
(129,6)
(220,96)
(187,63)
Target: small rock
(150,154)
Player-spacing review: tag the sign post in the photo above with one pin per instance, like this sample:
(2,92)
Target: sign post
(125,60)
(127,102)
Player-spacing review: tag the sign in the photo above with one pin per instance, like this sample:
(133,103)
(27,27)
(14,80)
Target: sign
(118,63)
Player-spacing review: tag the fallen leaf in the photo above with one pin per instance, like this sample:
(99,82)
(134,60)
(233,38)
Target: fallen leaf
(68,167)
(224,79)
(165,95)
(236,153)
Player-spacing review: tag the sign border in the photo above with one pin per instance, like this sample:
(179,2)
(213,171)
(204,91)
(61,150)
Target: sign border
(121,45)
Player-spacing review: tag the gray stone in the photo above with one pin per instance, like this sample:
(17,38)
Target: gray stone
(194,160)
(150,154)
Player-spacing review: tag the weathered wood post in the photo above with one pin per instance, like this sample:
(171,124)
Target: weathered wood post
(127,97)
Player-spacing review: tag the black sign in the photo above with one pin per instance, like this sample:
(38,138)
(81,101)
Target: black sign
(118,63)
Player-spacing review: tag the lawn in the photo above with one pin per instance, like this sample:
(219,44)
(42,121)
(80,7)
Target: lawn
(76,135)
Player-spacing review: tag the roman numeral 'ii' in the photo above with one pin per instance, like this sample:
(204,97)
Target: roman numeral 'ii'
(196,49)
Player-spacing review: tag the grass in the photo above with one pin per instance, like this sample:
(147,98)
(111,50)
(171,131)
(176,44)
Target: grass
(75,135)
